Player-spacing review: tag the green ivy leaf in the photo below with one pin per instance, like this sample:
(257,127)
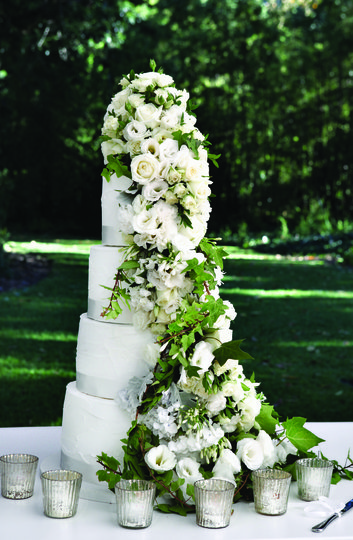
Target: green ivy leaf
(231,350)
(302,438)
(267,418)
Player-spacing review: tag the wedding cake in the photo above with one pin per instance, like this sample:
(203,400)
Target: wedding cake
(156,365)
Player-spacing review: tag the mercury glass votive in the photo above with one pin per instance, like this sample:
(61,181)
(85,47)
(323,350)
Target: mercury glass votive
(213,501)
(271,491)
(18,474)
(61,492)
(134,503)
(314,478)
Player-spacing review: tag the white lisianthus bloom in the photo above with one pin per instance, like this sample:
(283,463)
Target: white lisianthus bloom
(160,458)
(150,146)
(188,469)
(196,232)
(250,452)
(135,131)
(168,149)
(161,134)
(269,451)
(283,449)
(162,79)
(144,168)
(202,356)
(182,158)
(154,190)
(250,408)
(145,222)
(171,118)
(148,114)
(215,403)
(227,465)
(228,424)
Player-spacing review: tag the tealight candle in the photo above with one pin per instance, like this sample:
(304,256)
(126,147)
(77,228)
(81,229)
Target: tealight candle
(213,501)
(271,491)
(314,478)
(134,502)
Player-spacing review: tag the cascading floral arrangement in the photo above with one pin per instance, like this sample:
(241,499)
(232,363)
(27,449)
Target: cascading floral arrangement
(196,414)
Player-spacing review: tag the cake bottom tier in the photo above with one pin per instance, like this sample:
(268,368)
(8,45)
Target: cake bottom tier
(90,426)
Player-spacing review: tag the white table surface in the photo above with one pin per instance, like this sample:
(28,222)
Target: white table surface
(25,518)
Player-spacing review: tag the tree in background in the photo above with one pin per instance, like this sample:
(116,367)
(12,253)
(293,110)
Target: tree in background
(273,81)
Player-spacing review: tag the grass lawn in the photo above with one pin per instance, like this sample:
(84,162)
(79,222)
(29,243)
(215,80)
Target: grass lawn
(295,317)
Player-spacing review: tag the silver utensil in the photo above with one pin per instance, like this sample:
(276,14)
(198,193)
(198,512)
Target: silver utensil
(321,526)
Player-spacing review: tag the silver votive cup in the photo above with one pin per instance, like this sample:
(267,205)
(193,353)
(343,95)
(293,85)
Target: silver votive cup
(18,474)
(271,491)
(314,478)
(213,502)
(61,492)
(134,503)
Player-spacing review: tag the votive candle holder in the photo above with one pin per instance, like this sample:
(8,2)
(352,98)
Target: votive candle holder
(271,491)
(18,474)
(134,503)
(313,478)
(213,502)
(61,492)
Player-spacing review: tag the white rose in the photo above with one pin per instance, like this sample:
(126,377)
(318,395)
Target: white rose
(144,168)
(227,465)
(200,190)
(194,170)
(188,469)
(202,356)
(142,82)
(119,100)
(136,100)
(154,190)
(180,190)
(163,79)
(173,176)
(250,452)
(148,114)
(170,198)
(190,204)
(160,458)
(134,130)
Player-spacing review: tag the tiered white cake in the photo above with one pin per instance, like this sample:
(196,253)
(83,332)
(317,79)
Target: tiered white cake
(109,353)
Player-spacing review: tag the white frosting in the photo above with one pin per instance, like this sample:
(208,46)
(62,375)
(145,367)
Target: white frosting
(111,199)
(103,263)
(90,425)
(108,355)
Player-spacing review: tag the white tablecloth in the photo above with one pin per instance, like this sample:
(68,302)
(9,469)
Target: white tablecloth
(25,519)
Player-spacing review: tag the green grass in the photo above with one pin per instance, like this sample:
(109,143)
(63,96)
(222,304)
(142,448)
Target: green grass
(295,317)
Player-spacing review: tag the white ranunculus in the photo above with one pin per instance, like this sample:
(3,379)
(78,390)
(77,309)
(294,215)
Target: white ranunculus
(154,190)
(227,465)
(202,356)
(144,168)
(215,403)
(250,452)
(160,458)
(148,114)
(135,131)
(188,469)
(269,451)
(133,147)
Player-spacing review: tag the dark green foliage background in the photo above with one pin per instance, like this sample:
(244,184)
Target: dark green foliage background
(274,89)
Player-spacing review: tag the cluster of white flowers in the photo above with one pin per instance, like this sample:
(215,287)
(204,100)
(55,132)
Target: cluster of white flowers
(151,140)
